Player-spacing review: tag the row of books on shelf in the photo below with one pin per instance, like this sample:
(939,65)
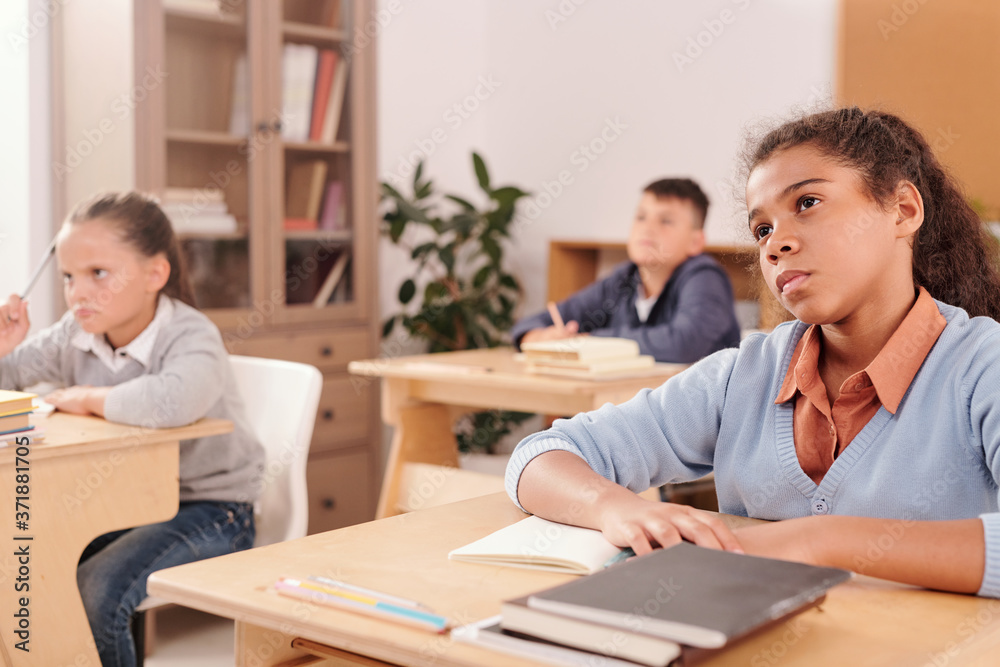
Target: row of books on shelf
(311,201)
(314,82)
(673,606)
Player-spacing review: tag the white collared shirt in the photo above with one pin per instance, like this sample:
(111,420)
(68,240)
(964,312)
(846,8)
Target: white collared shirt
(139,348)
(644,304)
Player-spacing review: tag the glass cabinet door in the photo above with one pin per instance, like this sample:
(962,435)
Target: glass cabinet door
(314,85)
(207,190)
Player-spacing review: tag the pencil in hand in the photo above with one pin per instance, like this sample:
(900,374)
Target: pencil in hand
(557,319)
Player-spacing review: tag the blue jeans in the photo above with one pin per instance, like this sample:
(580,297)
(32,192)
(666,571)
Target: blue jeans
(114,567)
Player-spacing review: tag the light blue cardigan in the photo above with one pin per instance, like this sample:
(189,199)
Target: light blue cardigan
(938,457)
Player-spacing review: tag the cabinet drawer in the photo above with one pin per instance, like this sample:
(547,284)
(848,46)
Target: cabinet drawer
(326,350)
(344,415)
(341,490)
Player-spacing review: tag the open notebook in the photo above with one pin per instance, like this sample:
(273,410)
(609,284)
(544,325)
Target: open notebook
(538,544)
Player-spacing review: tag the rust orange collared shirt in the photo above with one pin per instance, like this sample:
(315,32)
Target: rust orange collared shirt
(822,430)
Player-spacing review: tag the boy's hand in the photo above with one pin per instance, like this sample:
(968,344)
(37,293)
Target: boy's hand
(553,332)
(644,525)
(14,324)
(79,400)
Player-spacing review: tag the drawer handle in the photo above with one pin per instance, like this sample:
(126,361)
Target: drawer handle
(328,415)
(326,351)
(328,503)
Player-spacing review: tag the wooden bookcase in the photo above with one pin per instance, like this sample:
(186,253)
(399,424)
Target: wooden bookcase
(258,283)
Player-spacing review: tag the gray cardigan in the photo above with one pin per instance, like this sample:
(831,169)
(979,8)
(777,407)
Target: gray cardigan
(188,378)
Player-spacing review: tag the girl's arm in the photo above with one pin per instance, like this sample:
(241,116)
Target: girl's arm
(190,380)
(560,486)
(945,555)
(79,400)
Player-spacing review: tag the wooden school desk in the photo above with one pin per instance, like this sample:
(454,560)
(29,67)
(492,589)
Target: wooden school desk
(87,478)
(864,622)
(422,396)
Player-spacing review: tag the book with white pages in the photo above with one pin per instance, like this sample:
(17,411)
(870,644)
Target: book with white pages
(537,544)
(488,633)
(581,348)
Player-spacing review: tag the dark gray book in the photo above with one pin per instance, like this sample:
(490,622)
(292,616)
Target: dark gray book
(692,595)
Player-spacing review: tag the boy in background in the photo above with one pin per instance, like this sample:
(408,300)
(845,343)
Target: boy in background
(676,302)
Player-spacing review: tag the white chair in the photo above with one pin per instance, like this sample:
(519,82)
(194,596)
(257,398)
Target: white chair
(281,399)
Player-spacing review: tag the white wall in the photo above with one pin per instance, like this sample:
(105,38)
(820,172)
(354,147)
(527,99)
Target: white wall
(26,224)
(565,71)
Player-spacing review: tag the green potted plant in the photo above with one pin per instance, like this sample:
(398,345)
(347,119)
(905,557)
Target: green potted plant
(459,296)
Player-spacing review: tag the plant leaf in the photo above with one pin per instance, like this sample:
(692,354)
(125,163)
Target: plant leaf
(389,191)
(396,229)
(482,175)
(491,248)
(417,173)
(388,326)
(461,202)
(510,281)
(406,291)
(421,250)
(508,195)
(482,275)
(423,191)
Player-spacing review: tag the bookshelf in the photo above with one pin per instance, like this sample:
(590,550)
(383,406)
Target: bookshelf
(212,138)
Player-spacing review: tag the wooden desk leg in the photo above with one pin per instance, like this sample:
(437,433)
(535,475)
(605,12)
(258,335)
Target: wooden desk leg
(423,435)
(72,500)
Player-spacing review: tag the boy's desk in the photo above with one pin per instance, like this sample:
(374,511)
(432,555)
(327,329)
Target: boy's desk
(864,622)
(87,478)
(423,394)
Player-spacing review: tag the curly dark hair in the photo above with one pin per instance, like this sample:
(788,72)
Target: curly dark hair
(954,256)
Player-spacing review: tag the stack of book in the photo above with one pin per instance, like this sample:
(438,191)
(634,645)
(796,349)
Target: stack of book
(673,606)
(586,357)
(198,211)
(15,417)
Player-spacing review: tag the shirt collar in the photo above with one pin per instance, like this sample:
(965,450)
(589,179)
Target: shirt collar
(896,364)
(139,348)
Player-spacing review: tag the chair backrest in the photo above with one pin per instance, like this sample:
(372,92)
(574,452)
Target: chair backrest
(281,399)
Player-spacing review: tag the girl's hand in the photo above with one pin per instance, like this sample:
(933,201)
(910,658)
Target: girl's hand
(644,525)
(14,324)
(79,400)
(800,540)
(570,329)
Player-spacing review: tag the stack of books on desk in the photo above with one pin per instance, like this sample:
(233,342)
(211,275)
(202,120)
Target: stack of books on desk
(585,357)
(15,418)
(671,606)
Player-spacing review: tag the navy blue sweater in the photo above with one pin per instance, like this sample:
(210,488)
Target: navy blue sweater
(692,318)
